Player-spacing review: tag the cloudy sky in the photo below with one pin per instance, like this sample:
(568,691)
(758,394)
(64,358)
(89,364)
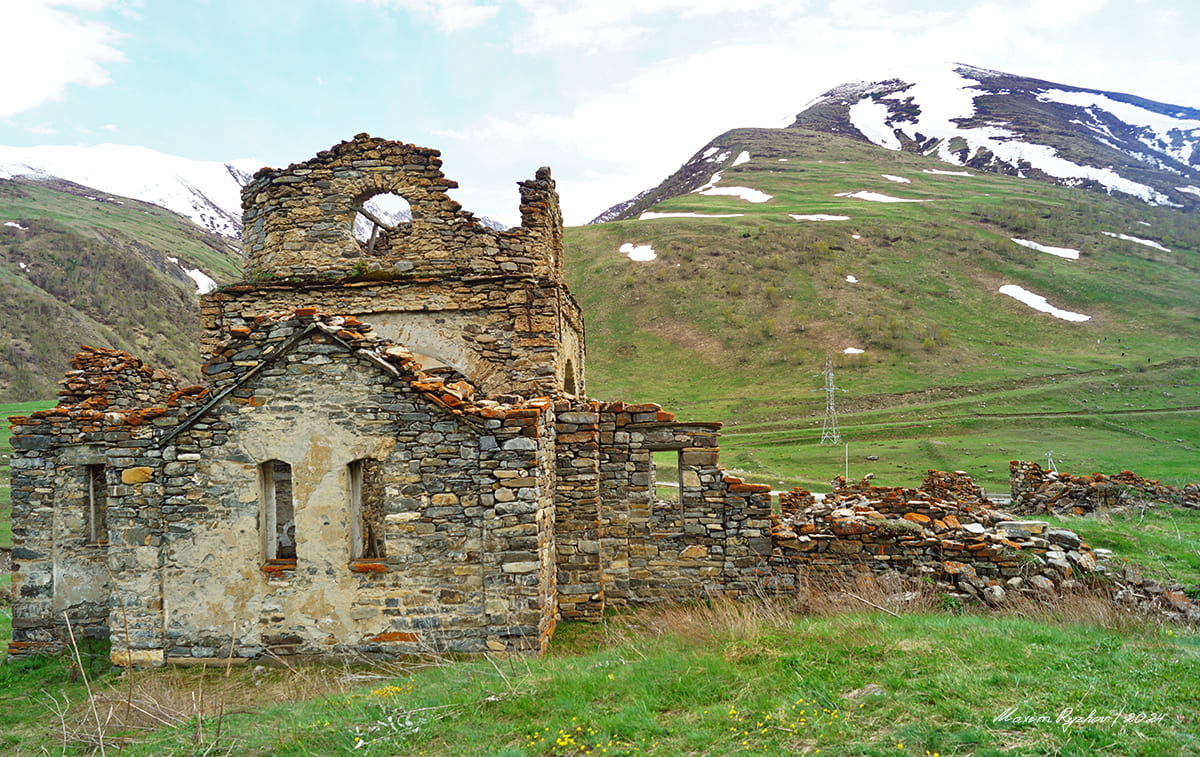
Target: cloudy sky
(613,94)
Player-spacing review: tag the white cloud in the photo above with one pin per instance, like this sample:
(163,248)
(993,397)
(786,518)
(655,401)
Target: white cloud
(49,46)
(449,15)
(591,25)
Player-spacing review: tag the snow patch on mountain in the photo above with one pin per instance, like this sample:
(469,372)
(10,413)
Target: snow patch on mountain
(870,118)
(1039,303)
(650,215)
(204,283)
(743,157)
(641,253)
(1177,136)
(1062,252)
(896,179)
(16,226)
(1136,240)
(745,193)
(874,197)
(817,217)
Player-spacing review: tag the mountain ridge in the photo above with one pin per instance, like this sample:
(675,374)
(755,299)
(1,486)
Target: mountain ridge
(992,121)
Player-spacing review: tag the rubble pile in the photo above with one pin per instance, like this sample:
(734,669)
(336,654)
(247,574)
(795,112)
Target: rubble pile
(945,531)
(1036,491)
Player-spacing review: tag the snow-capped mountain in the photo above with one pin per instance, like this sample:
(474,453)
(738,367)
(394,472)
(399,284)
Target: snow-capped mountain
(1016,125)
(988,121)
(208,192)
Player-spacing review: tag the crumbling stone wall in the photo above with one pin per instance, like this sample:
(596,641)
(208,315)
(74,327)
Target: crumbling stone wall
(1036,491)
(944,531)
(618,543)
(491,304)
(113,379)
(298,221)
(63,481)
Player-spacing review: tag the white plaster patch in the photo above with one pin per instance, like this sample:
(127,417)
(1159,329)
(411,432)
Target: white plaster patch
(1062,252)
(650,215)
(640,253)
(1138,240)
(897,179)
(1038,302)
(818,217)
(874,197)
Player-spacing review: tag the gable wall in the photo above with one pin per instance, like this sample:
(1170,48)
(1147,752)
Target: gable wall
(468,522)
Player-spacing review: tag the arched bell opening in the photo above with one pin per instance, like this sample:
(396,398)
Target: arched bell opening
(379,218)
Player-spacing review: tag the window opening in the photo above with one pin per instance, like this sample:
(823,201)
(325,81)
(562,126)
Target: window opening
(97,504)
(668,467)
(366,510)
(569,379)
(279,516)
(379,215)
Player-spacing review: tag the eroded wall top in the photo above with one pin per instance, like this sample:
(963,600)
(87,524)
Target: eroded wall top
(299,221)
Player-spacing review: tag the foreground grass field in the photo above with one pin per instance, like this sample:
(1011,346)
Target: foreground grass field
(725,679)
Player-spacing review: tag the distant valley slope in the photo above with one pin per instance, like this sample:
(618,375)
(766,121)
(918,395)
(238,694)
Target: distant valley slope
(997,271)
(82,266)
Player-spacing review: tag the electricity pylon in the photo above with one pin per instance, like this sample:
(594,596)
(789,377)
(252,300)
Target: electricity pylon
(829,430)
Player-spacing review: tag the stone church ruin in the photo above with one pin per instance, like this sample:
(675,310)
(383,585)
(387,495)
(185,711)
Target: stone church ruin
(323,493)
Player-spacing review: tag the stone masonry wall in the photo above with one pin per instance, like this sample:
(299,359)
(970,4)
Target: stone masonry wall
(506,335)
(618,544)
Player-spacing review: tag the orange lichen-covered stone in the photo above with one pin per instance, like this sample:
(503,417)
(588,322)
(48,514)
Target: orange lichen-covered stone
(393,636)
(917,518)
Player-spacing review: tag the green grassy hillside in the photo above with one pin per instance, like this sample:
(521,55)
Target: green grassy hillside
(734,317)
(81,267)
